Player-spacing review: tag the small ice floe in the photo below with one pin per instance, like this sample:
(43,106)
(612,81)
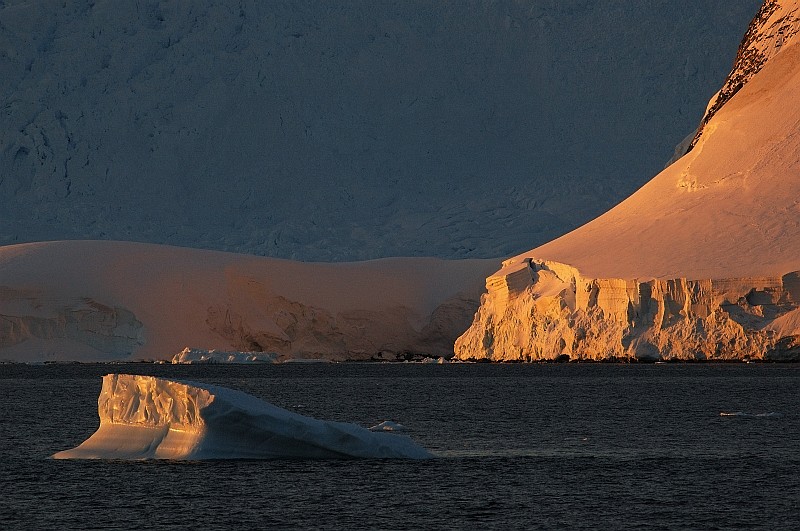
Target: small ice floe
(195,355)
(439,361)
(388,425)
(428,361)
(770,414)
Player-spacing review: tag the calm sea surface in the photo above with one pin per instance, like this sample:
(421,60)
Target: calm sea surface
(518,446)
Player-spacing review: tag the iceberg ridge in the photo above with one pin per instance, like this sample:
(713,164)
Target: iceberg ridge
(143,417)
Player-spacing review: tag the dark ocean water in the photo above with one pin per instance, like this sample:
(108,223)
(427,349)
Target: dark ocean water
(518,446)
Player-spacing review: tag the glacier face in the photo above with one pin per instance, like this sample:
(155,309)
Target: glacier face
(542,310)
(143,417)
(700,263)
(326,131)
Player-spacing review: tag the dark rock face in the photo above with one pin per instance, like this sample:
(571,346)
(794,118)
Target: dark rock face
(775,24)
(786,349)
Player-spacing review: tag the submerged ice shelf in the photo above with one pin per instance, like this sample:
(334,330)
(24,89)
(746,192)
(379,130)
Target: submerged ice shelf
(143,417)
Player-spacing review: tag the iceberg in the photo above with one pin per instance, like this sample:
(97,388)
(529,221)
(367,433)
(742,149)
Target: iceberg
(144,417)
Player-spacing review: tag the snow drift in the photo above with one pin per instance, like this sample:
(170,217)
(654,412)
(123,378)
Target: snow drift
(701,262)
(101,301)
(143,417)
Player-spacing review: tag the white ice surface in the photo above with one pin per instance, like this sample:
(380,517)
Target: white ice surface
(143,417)
(770,414)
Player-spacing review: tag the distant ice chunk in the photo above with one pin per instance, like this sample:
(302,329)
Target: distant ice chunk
(388,425)
(771,414)
(194,355)
(439,360)
(143,417)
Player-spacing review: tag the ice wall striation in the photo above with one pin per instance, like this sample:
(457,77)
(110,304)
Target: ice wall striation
(143,417)
(33,322)
(258,322)
(544,310)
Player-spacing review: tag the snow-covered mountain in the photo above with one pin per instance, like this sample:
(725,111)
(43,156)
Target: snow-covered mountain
(114,301)
(703,261)
(331,131)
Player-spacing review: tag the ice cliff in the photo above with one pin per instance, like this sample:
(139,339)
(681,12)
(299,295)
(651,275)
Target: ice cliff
(540,310)
(33,327)
(700,263)
(143,417)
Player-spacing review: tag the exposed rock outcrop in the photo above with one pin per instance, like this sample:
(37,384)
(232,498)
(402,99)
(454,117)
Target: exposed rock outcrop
(775,25)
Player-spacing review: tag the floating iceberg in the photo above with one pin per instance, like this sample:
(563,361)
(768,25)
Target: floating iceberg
(388,425)
(142,417)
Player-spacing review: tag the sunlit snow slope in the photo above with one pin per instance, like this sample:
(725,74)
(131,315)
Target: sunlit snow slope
(344,130)
(700,262)
(731,207)
(142,417)
(95,300)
